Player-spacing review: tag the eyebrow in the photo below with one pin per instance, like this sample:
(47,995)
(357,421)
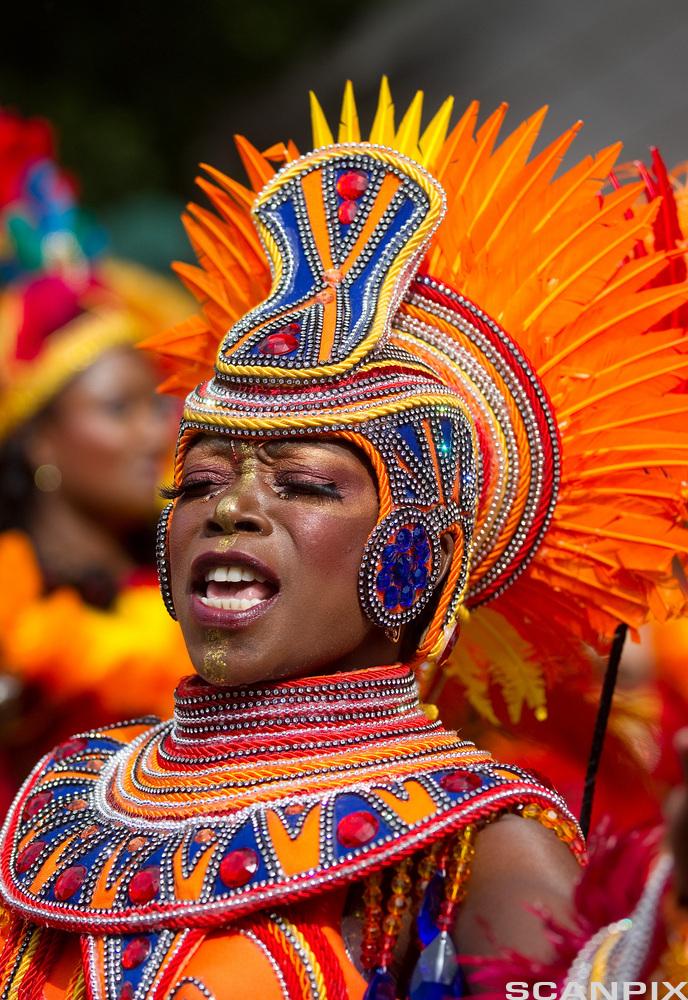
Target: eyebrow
(272,448)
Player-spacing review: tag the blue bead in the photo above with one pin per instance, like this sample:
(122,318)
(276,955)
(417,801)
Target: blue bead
(381,986)
(419,577)
(402,571)
(404,539)
(391,598)
(420,534)
(437,975)
(407,596)
(426,921)
(389,553)
(384,578)
(422,551)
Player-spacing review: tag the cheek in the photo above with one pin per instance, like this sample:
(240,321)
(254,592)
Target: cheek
(181,530)
(330,550)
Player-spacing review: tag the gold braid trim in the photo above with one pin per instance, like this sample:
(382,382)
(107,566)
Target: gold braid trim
(17,976)
(76,988)
(305,963)
(320,422)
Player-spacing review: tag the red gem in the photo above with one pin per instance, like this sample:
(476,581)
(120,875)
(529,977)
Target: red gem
(69,882)
(36,803)
(347,212)
(145,885)
(461,781)
(352,184)
(137,951)
(71,747)
(238,867)
(282,341)
(31,853)
(357,829)
(127,992)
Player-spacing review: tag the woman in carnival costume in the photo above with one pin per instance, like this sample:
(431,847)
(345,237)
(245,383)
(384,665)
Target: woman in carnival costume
(374,454)
(84,442)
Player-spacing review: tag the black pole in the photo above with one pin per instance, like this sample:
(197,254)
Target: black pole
(599,732)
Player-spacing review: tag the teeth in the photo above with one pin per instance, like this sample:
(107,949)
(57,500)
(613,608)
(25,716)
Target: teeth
(233,574)
(231,603)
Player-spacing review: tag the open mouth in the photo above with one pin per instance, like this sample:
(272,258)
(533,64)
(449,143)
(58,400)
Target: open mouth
(236,586)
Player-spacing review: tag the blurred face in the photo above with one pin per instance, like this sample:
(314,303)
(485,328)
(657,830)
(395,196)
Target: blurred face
(109,434)
(266,541)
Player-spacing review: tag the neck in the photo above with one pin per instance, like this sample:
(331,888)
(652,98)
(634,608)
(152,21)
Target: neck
(333,710)
(228,750)
(69,542)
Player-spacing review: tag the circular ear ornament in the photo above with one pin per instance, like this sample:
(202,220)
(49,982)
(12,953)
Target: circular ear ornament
(400,568)
(162,561)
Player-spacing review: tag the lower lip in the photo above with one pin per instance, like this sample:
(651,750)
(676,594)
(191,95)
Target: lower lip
(224,618)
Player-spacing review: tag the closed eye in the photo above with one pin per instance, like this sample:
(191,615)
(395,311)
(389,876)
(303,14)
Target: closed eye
(192,488)
(291,487)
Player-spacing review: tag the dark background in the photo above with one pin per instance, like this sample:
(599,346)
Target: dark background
(140,92)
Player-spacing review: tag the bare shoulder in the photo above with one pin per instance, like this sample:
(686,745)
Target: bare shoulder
(519,866)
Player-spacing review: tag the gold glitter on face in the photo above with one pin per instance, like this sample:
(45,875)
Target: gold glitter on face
(215,664)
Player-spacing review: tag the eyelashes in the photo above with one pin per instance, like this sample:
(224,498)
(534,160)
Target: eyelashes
(306,487)
(170,492)
(285,487)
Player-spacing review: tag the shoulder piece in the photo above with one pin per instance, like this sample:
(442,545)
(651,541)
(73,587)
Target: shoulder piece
(110,835)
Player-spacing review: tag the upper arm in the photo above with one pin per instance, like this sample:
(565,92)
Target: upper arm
(518,866)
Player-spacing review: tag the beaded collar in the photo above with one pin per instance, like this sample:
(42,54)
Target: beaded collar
(247,796)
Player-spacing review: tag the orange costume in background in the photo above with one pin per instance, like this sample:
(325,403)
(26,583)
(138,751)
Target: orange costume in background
(204,856)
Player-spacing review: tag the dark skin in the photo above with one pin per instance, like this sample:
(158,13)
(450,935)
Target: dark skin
(305,509)
(109,434)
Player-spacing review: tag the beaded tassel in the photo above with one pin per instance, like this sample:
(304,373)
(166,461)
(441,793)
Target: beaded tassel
(372,920)
(437,973)
(458,873)
(382,985)
(429,890)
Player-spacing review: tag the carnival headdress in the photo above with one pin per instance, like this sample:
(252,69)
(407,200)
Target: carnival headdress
(483,330)
(62,303)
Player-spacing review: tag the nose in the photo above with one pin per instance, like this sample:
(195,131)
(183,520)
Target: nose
(239,510)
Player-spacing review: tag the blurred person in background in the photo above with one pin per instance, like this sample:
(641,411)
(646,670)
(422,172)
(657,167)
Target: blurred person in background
(84,444)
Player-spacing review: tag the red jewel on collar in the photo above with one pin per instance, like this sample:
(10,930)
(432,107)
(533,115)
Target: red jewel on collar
(145,885)
(71,747)
(238,867)
(357,828)
(31,853)
(69,882)
(458,781)
(137,951)
(36,803)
